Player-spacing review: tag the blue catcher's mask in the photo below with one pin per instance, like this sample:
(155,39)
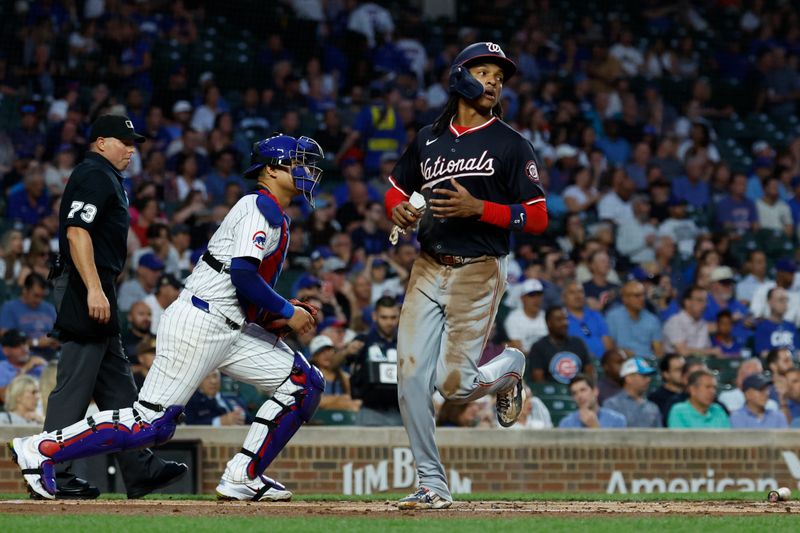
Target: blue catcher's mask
(302,155)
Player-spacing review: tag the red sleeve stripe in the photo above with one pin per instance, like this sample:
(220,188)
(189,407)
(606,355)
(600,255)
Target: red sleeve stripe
(392,198)
(394,184)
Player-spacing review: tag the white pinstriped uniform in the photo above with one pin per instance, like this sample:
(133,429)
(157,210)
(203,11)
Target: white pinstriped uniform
(191,342)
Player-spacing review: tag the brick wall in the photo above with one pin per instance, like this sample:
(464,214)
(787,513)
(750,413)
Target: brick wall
(335,460)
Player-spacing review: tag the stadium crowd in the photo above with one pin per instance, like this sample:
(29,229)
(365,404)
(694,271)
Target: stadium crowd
(664,293)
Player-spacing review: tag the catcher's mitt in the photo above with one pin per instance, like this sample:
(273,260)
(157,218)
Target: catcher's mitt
(278,325)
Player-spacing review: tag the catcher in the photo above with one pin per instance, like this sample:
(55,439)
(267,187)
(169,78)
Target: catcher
(228,317)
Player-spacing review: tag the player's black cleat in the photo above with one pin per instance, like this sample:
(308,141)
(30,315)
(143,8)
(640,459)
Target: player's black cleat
(76,489)
(171,473)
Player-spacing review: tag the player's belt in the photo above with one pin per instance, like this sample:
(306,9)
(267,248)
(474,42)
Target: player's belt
(456,260)
(214,263)
(205,307)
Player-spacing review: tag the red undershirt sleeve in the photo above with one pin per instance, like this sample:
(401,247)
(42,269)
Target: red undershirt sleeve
(520,217)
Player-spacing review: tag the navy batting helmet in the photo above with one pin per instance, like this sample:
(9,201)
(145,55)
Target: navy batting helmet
(462,82)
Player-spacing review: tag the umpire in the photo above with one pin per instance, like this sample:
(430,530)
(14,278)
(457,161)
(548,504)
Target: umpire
(94,223)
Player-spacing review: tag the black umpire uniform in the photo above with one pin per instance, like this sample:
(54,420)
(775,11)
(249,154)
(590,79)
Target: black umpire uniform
(93,364)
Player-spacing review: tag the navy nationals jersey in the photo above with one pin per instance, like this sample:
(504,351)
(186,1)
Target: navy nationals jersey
(492,161)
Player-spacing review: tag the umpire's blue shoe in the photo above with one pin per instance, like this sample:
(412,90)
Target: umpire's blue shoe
(171,473)
(423,499)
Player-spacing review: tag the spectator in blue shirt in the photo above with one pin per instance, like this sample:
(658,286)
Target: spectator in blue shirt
(222,175)
(724,339)
(18,360)
(589,413)
(631,326)
(29,203)
(791,405)
(584,323)
(735,212)
(32,315)
(794,201)
(754,414)
(692,187)
(773,331)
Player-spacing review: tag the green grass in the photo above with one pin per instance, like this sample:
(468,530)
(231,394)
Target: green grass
(175,524)
(477,496)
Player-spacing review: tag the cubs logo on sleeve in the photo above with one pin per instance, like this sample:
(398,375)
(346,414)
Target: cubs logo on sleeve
(260,240)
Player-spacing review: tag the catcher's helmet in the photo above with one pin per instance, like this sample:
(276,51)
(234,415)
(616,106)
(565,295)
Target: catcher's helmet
(301,154)
(462,82)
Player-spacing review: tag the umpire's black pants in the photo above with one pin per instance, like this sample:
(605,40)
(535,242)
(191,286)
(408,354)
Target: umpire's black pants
(101,371)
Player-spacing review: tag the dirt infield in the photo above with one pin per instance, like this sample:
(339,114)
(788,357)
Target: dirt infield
(486,509)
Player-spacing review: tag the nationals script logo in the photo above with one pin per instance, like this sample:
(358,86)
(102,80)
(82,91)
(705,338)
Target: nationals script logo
(442,169)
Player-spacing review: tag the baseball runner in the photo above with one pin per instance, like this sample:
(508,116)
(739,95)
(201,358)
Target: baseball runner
(217,323)
(480,180)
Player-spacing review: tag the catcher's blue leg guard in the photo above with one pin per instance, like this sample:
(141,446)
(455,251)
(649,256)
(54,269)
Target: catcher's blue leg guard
(111,431)
(292,404)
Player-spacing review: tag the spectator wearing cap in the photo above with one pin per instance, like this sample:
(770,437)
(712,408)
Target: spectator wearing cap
(756,267)
(773,213)
(18,361)
(687,332)
(387,276)
(337,382)
(32,315)
(566,163)
(636,238)
(166,291)
(773,331)
(672,383)
(29,203)
(148,271)
(682,230)
(733,399)
(699,411)
(159,244)
(584,322)
(736,212)
(525,325)
(784,278)
(721,298)
(763,166)
(29,137)
(589,413)
(754,413)
(558,357)
(631,401)
(631,326)
(322,223)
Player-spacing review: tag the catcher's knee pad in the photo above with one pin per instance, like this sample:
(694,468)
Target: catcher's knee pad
(109,432)
(309,377)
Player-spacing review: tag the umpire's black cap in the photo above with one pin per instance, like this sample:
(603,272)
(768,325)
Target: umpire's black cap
(117,126)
